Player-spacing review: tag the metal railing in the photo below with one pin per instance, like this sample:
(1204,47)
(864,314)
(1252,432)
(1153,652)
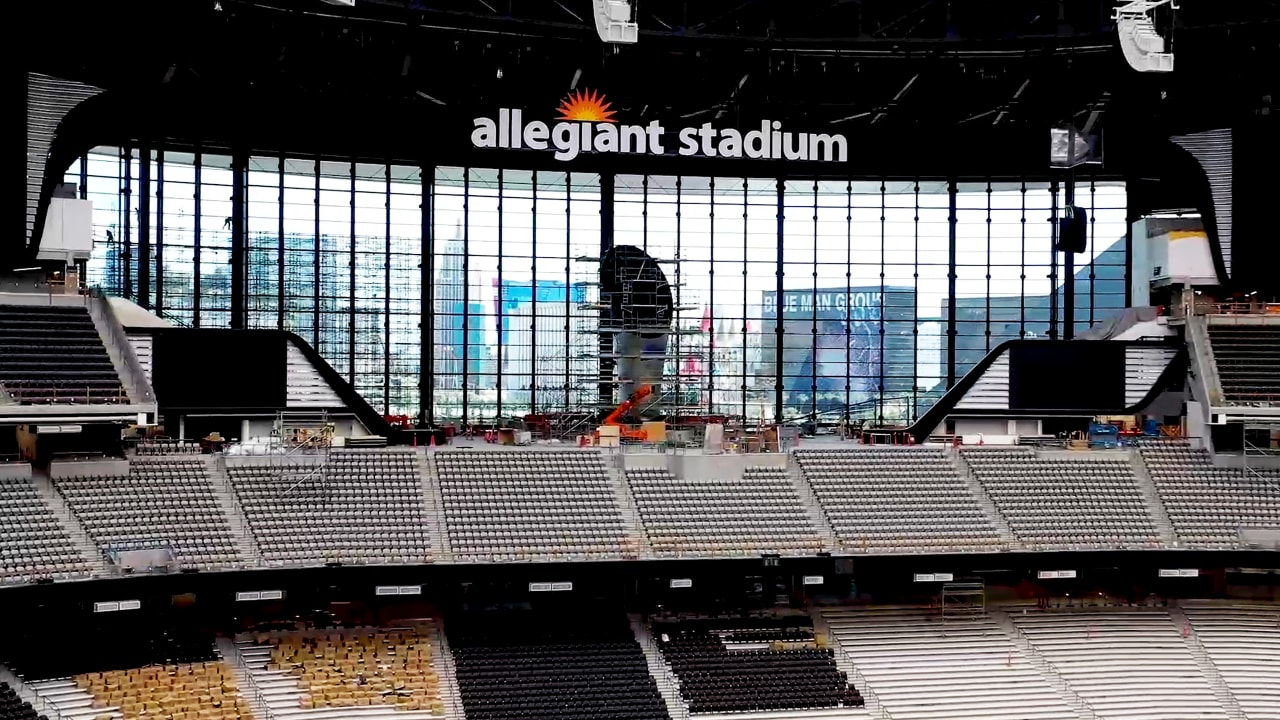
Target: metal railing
(1224,308)
(134,379)
(40,394)
(29,695)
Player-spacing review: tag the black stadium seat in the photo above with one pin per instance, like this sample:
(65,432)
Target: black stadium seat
(753,665)
(527,666)
(1248,363)
(52,354)
(13,707)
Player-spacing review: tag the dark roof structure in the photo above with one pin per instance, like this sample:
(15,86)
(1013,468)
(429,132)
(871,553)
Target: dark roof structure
(875,67)
(924,88)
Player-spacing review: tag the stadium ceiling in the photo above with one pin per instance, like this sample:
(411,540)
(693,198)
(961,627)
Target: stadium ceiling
(944,65)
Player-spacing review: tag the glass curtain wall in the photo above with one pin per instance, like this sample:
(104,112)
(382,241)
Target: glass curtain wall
(818,298)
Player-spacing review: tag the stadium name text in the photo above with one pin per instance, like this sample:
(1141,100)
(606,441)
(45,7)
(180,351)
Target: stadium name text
(570,138)
(835,305)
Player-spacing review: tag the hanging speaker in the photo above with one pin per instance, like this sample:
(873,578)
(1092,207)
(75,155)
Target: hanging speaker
(1073,231)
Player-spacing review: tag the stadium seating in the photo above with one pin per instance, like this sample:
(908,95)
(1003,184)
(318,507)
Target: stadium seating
(32,543)
(896,498)
(1072,502)
(1209,505)
(360,672)
(206,691)
(362,506)
(1123,662)
(52,354)
(752,664)
(130,671)
(1243,643)
(760,513)
(530,505)
(164,502)
(531,666)
(13,707)
(920,667)
(1247,358)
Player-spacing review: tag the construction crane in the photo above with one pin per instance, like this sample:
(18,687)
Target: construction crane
(615,417)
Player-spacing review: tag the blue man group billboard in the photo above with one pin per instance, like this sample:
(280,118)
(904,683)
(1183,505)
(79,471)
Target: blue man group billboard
(839,345)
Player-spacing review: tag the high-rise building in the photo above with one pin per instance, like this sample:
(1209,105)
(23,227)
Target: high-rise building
(842,346)
(987,321)
(542,338)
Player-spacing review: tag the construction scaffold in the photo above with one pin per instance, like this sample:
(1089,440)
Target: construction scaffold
(594,347)
(300,453)
(963,601)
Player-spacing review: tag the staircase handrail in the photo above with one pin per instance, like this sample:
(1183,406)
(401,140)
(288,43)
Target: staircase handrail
(135,380)
(668,679)
(1206,372)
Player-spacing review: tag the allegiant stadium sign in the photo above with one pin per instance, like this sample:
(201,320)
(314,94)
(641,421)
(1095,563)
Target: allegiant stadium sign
(587,125)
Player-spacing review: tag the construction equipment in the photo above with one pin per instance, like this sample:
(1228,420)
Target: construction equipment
(615,418)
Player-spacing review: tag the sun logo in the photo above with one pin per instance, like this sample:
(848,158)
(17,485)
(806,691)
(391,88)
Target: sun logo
(586,106)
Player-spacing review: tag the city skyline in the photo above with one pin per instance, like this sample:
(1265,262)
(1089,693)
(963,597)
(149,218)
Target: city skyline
(498,235)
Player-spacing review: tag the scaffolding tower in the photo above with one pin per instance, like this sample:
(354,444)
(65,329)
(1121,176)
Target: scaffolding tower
(300,453)
(963,601)
(594,356)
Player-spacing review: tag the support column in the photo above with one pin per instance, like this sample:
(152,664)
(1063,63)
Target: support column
(1068,269)
(281,299)
(1053,260)
(158,302)
(126,223)
(351,285)
(778,333)
(386,299)
(608,365)
(952,331)
(426,304)
(1130,217)
(144,227)
(195,250)
(239,233)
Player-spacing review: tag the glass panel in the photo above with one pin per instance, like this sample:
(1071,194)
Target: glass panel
(337,258)
(177,302)
(372,250)
(449,303)
(865,290)
(214,297)
(263,243)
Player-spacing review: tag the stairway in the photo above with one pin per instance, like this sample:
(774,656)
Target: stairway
(817,517)
(846,666)
(230,654)
(28,695)
(630,515)
(984,500)
(116,342)
(668,685)
(79,536)
(437,529)
(1046,668)
(230,506)
(69,702)
(442,660)
(1210,671)
(1155,503)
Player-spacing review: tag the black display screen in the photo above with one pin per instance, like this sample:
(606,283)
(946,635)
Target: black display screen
(1068,375)
(219,369)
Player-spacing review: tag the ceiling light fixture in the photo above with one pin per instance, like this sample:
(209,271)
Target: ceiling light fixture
(615,21)
(1143,47)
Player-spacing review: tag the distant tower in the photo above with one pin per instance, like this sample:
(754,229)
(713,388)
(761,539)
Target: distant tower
(450,306)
